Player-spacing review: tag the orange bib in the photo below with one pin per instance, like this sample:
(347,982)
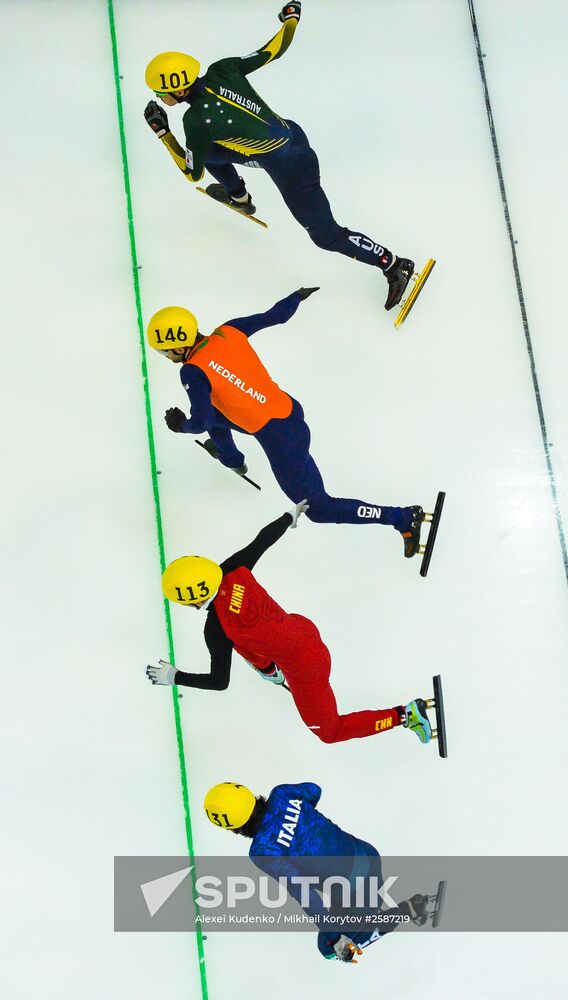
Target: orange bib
(241,388)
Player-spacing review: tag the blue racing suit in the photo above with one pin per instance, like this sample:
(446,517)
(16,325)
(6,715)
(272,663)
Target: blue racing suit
(295,839)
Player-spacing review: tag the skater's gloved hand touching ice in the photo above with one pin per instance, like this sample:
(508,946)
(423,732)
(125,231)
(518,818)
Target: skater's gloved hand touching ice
(157,119)
(174,418)
(346,950)
(290,10)
(164,674)
(297,511)
(305,293)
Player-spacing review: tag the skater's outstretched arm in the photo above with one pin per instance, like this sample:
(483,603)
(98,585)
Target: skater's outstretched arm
(277,46)
(221,650)
(190,161)
(250,555)
(281,312)
(198,388)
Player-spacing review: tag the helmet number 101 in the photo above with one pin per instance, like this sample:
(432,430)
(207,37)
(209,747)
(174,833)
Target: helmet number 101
(176,80)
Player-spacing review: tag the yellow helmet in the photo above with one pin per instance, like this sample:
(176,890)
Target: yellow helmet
(229,805)
(191,579)
(172,327)
(171,71)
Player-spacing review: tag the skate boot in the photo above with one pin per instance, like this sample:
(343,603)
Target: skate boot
(241,470)
(416,908)
(242,203)
(398,275)
(411,536)
(417,720)
(272,674)
(212,449)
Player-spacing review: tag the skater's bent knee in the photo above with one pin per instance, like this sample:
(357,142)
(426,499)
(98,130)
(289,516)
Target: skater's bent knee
(317,515)
(323,511)
(327,734)
(325,239)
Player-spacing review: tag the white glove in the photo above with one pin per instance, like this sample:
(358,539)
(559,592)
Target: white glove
(346,950)
(300,508)
(164,674)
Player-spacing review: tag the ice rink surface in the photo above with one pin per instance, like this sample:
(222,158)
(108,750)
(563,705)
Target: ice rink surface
(391,98)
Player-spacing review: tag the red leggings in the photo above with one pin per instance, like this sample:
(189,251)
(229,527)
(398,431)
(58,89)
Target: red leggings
(308,679)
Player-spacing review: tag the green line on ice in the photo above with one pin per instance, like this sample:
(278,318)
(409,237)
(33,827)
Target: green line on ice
(154,472)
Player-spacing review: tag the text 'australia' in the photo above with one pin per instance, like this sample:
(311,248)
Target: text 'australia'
(244,101)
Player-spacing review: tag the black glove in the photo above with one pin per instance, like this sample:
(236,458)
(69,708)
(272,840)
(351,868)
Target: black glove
(305,293)
(157,118)
(174,418)
(290,10)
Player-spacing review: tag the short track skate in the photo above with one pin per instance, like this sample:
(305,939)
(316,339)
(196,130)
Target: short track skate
(211,450)
(438,904)
(431,908)
(419,282)
(218,197)
(416,718)
(428,908)
(412,544)
(437,703)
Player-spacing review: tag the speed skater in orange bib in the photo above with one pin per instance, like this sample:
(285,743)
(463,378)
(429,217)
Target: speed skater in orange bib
(230,390)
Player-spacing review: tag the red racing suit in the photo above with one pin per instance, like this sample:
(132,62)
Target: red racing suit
(244,617)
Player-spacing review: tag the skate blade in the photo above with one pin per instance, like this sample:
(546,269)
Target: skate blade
(419,282)
(434,521)
(437,703)
(439,903)
(251,218)
(246,478)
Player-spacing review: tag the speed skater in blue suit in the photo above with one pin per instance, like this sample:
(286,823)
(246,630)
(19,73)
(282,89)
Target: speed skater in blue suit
(293,840)
(229,389)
